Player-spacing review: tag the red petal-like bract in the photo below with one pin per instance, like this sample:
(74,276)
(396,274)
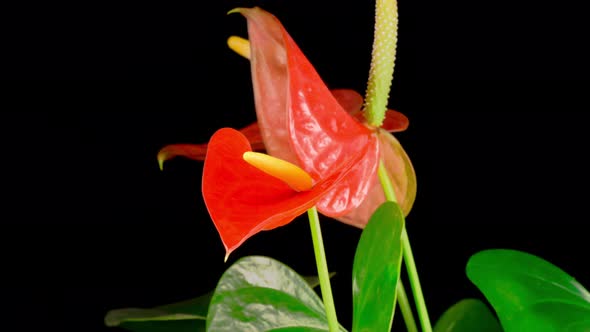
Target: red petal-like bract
(394,121)
(191,151)
(243,200)
(300,120)
(198,151)
(352,102)
(401,174)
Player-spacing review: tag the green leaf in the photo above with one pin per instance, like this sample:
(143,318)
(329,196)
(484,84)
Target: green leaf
(191,325)
(528,293)
(376,270)
(182,316)
(189,315)
(314,281)
(261,294)
(296,329)
(468,315)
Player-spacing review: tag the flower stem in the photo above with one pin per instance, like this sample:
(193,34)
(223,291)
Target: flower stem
(415,283)
(408,256)
(323,274)
(404,305)
(382,61)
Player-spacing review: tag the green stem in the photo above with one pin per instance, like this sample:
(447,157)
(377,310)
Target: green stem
(386,183)
(404,305)
(408,256)
(382,61)
(323,274)
(415,283)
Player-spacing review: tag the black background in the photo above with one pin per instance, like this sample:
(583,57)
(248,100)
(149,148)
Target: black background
(495,93)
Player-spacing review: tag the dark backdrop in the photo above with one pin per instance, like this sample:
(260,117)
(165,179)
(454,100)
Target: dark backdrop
(495,94)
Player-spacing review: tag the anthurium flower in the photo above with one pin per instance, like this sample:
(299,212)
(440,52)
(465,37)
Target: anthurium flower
(301,121)
(246,193)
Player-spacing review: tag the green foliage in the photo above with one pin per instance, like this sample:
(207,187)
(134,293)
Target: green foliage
(261,294)
(185,316)
(528,293)
(376,270)
(468,315)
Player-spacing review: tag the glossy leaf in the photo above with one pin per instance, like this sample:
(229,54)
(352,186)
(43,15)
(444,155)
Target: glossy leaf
(185,316)
(528,293)
(243,200)
(296,329)
(468,315)
(376,270)
(314,281)
(261,294)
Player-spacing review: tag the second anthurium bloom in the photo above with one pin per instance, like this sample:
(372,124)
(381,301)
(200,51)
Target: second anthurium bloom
(301,121)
